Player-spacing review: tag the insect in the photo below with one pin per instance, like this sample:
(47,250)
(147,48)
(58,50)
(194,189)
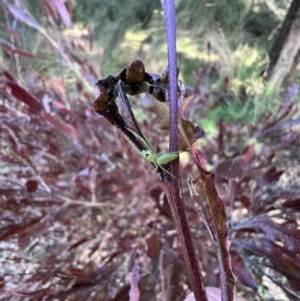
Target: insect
(159,159)
(149,154)
(134,80)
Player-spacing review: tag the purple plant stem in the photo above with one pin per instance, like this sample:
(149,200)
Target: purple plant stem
(173,188)
(168,6)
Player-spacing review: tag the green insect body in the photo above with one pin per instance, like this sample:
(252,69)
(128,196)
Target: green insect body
(149,154)
(159,159)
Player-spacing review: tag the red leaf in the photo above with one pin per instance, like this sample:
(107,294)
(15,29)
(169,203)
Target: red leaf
(154,245)
(222,128)
(246,201)
(80,275)
(78,243)
(295,203)
(21,94)
(66,128)
(17,52)
(274,231)
(32,185)
(206,184)
(272,175)
(10,31)
(64,14)
(33,232)
(281,256)
(294,284)
(162,204)
(242,273)
(17,229)
(49,8)
(22,16)
(9,76)
(248,154)
(36,294)
(91,37)
(122,294)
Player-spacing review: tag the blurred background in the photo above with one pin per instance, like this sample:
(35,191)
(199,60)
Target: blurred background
(78,207)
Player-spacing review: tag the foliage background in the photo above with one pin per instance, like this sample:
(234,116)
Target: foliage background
(78,207)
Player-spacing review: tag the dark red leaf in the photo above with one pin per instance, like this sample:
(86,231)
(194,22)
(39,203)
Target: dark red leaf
(25,238)
(285,233)
(17,229)
(122,294)
(35,294)
(21,94)
(275,125)
(9,192)
(9,76)
(245,201)
(295,203)
(162,203)
(94,248)
(74,56)
(222,128)
(281,256)
(18,52)
(272,175)
(248,154)
(65,128)
(91,37)
(32,185)
(242,273)
(49,8)
(294,284)
(10,31)
(78,243)
(154,245)
(80,275)
(278,258)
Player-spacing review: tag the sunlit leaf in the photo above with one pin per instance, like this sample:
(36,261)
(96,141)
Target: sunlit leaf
(22,16)
(213,294)
(63,12)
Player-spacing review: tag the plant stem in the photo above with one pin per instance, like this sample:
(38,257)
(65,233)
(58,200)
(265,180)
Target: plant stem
(173,188)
